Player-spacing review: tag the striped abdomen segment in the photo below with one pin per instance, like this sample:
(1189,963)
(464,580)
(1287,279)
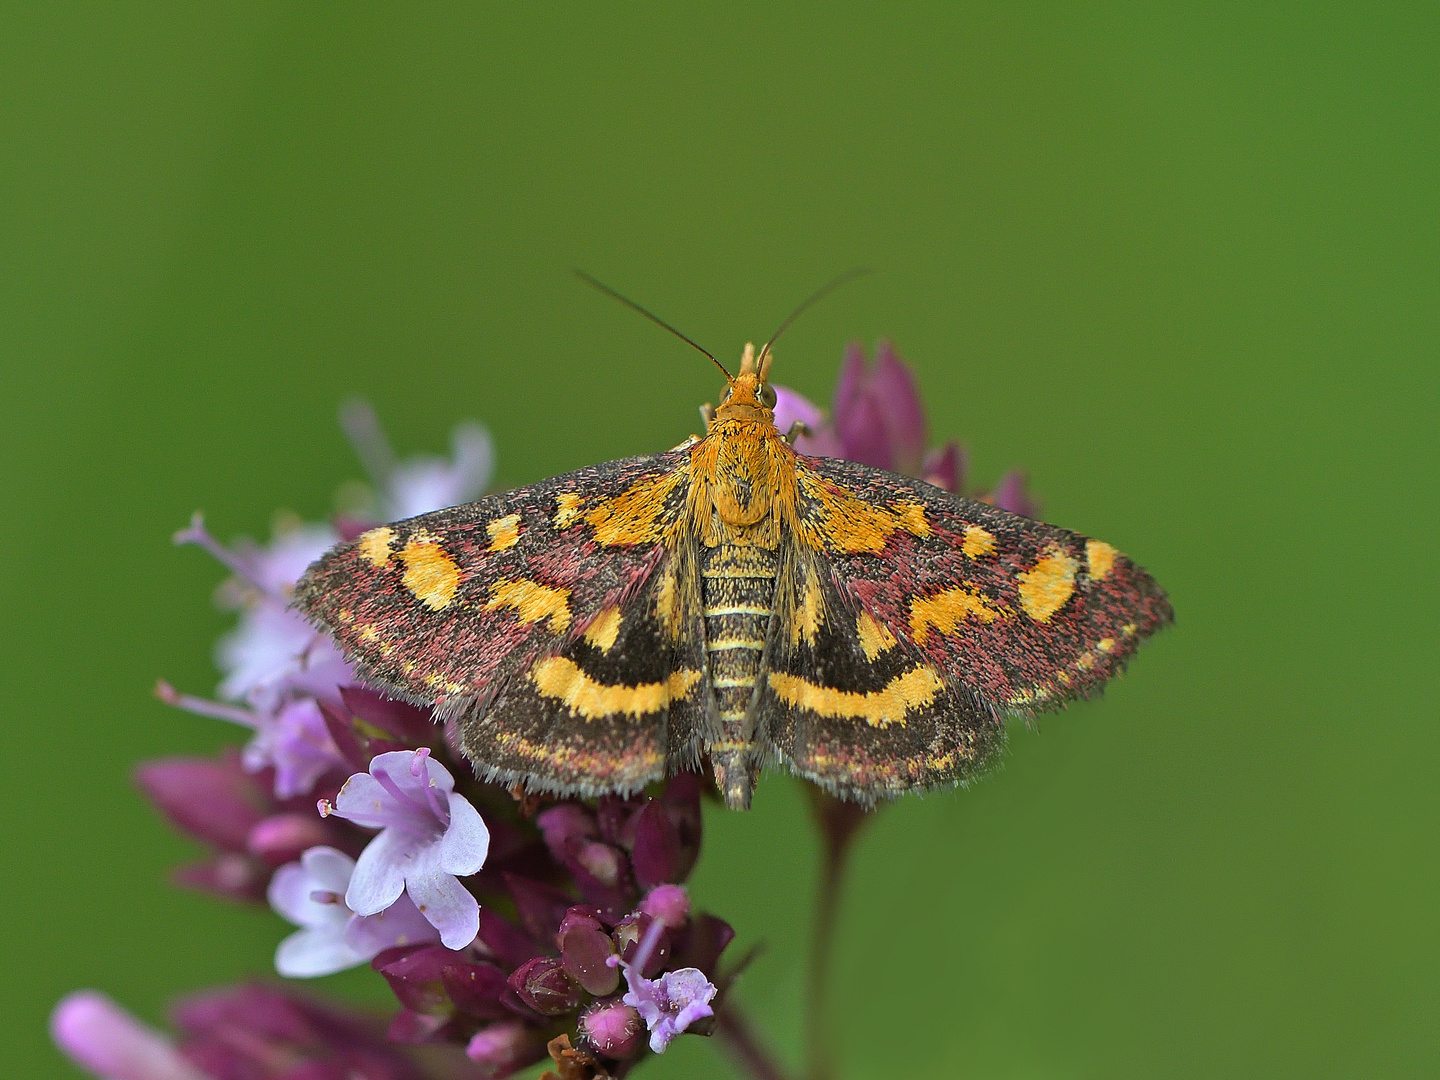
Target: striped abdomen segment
(738,589)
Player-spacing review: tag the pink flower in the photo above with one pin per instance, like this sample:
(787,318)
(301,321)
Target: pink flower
(430,836)
(311,894)
(104,1039)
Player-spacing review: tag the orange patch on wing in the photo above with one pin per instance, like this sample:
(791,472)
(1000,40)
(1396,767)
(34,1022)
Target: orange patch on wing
(1099,559)
(978,542)
(604,630)
(532,602)
(947,610)
(504,532)
(567,510)
(1046,586)
(875,637)
(913,689)
(853,526)
(561,678)
(637,515)
(430,574)
(374,545)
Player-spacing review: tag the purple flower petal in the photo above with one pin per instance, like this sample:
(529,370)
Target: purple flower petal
(946,466)
(212,799)
(850,386)
(892,387)
(864,434)
(1010,494)
(399,924)
(380,873)
(447,905)
(309,954)
(103,1038)
(466,842)
(791,406)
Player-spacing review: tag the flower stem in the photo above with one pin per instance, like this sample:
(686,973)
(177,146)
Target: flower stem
(739,1039)
(838,822)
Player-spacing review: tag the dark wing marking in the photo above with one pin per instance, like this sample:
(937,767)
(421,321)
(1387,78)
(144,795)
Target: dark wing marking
(444,608)
(610,711)
(862,715)
(1019,615)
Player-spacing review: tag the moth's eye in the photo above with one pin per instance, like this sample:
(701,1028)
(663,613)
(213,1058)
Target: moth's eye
(767,395)
(724,395)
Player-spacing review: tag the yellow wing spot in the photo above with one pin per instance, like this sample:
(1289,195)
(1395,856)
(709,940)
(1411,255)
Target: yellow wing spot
(532,602)
(978,542)
(567,510)
(430,574)
(1048,584)
(850,525)
(947,610)
(637,514)
(504,532)
(1100,558)
(560,678)
(375,545)
(913,689)
(1105,644)
(911,518)
(874,637)
(604,630)
(810,614)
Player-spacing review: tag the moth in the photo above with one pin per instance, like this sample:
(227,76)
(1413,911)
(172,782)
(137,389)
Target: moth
(733,602)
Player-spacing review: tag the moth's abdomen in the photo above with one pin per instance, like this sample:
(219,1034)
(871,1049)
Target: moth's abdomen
(738,583)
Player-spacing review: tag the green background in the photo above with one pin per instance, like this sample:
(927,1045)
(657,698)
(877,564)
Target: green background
(1179,261)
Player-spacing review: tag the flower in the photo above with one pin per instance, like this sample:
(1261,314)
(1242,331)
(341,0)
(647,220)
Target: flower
(104,1039)
(878,420)
(418,485)
(273,653)
(429,837)
(261,1033)
(671,1003)
(311,894)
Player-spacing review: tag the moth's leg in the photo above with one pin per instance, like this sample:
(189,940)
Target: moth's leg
(690,440)
(707,414)
(798,428)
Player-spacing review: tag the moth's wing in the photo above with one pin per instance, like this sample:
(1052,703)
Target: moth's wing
(612,709)
(852,707)
(449,608)
(938,615)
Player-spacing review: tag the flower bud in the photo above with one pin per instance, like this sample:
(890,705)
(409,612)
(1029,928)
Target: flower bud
(668,903)
(613,1028)
(283,838)
(214,800)
(544,985)
(656,855)
(501,1049)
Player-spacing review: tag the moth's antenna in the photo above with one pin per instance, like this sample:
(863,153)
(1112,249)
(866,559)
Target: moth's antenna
(818,295)
(652,317)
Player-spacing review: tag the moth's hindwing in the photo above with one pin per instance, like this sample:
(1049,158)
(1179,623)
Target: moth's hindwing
(615,708)
(455,608)
(848,704)
(913,618)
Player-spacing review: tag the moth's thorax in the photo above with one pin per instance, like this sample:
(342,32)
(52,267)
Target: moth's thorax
(744,477)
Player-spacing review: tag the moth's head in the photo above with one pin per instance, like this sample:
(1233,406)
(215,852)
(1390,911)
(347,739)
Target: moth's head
(749,395)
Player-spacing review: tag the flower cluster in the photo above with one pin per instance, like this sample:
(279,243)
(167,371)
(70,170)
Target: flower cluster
(877,419)
(507,927)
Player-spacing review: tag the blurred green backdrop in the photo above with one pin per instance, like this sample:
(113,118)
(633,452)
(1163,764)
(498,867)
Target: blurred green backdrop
(1180,261)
